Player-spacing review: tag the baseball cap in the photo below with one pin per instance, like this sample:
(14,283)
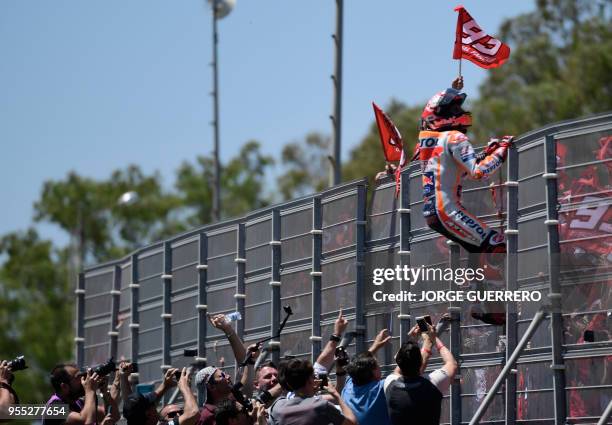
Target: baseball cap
(202,378)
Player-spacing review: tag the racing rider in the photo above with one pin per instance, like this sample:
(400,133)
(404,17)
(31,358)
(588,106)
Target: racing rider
(446,158)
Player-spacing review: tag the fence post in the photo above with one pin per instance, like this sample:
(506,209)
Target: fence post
(556,320)
(455,338)
(79,339)
(240,294)
(404,252)
(166,315)
(511,234)
(360,323)
(115,294)
(202,305)
(273,345)
(317,248)
(134,286)
(533,326)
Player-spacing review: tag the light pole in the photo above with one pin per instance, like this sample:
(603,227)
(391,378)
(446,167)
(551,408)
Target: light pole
(336,164)
(220,9)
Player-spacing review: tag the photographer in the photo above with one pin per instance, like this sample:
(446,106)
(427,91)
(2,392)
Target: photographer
(267,388)
(70,385)
(410,395)
(305,408)
(8,395)
(140,409)
(364,389)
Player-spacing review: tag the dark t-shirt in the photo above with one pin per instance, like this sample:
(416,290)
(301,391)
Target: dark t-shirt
(414,398)
(207,415)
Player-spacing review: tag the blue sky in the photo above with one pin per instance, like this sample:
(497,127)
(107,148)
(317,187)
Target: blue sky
(93,86)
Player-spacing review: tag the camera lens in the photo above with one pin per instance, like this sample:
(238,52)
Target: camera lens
(105,368)
(18,363)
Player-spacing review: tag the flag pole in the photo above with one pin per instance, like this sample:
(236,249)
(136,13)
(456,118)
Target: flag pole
(459,67)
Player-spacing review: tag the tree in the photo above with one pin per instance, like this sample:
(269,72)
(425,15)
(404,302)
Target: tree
(153,216)
(242,185)
(307,166)
(559,69)
(35,310)
(101,228)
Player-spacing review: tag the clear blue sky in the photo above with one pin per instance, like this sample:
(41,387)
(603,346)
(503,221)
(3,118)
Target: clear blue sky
(92,86)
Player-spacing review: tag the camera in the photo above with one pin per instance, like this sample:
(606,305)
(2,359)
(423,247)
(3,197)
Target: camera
(18,363)
(423,321)
(240,398)
(104,368)
(262,396)
(341,356)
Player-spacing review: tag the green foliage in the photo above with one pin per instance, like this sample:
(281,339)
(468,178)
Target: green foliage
(35,310)
(153,216)
(307,166)
(559,69)
(77,206)
(242,182)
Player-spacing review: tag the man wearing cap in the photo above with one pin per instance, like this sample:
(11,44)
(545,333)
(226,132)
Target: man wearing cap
(140,409)
(215,386)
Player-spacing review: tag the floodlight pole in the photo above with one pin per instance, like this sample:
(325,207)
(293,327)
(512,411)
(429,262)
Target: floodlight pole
(216,207)
(336,164)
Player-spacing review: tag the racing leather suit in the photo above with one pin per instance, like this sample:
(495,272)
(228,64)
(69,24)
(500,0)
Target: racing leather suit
(446,158)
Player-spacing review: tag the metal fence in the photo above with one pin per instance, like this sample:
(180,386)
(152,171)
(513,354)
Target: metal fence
(317,254)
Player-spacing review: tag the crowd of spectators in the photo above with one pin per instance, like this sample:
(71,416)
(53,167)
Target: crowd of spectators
(296,392)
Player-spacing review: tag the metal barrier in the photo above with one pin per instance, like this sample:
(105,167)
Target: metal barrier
(318,254)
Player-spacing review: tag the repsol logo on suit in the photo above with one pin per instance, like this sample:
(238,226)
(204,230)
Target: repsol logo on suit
(428,142)
(469,222)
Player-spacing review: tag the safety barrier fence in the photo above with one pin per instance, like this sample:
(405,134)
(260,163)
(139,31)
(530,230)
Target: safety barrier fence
(318,255)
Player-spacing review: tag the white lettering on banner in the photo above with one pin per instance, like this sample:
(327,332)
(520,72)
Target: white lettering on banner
(489,50)
(593,209)
(475,33)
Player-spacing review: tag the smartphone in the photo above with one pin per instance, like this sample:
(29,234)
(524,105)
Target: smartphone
(324,380)
(422,322)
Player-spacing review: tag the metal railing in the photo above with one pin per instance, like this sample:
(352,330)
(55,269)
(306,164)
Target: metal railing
(318,254)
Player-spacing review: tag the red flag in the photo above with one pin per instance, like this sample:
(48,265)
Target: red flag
(390,137)
(475,45)
(392,143)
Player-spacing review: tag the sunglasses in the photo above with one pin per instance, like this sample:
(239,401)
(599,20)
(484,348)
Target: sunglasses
(211,379)
(172,415)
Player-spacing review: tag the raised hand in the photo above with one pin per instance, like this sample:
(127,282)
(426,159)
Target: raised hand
(340,324)
(457,83)
(381,339)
